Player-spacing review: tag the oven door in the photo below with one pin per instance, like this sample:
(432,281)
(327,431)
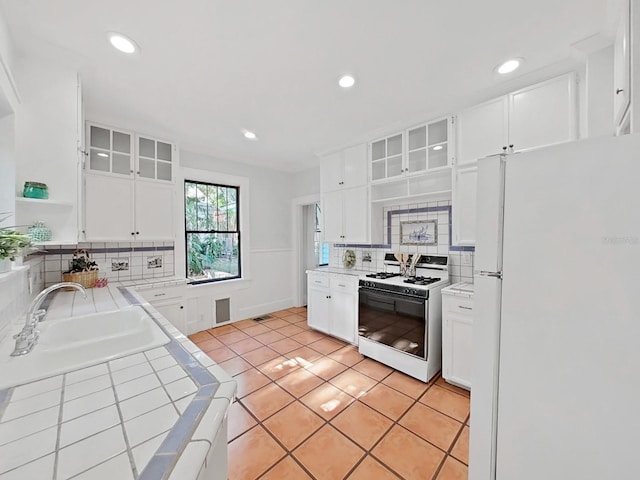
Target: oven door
(393,319)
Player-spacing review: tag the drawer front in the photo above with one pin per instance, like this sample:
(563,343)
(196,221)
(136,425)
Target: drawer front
(339,282)
(463,306)
(318,280)
(161,294)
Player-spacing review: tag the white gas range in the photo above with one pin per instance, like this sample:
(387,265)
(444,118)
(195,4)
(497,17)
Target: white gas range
(400,318)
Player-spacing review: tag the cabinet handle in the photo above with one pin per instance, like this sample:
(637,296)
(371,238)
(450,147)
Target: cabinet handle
(341,285)
(159,294)
(317,281)
(619,91)
(465,308)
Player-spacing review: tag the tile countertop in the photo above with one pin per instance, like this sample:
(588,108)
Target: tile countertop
(151,415)
(338,270)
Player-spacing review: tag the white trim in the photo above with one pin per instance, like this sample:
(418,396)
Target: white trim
(270,250)
(296,226)
(208,176)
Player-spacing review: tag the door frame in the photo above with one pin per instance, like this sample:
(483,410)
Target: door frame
(297,205)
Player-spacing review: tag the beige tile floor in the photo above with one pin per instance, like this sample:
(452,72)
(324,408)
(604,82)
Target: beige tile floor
(311,407)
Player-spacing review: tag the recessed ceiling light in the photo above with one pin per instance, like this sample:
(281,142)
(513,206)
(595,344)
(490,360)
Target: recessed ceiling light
(122,43)
(105,155)
(250,135)
(346,81)
(509,66)
(437,147)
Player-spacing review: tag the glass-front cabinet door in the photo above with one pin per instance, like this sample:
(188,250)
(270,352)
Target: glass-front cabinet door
(387,158)
(110,151)
(155,159)
(437,144)
(427,147)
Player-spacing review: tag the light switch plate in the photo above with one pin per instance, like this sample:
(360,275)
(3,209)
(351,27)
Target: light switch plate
(466,258)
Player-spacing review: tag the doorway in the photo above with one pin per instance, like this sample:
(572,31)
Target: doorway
(309,250)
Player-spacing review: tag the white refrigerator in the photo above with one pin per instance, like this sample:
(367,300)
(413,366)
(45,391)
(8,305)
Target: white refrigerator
(556,340)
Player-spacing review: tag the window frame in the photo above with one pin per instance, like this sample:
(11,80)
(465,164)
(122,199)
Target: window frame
(187,231)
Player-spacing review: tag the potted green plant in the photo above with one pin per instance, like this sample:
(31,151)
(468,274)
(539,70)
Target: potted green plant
(11,244)
(82,269)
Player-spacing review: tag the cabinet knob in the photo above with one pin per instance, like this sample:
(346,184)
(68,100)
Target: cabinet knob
(137,233)
(133,233)
(619,91)
(181,307)
(504,148)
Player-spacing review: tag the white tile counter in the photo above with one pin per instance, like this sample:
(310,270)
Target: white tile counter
(152,415)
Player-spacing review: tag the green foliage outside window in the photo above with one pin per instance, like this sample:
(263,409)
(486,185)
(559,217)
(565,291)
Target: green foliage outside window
(212,231)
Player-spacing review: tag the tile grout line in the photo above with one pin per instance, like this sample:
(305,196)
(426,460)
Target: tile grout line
(132,462)
(367,452)
(59,429)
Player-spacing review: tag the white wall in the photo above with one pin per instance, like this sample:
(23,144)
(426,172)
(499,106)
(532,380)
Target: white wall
(46,149)
(306,183)
(8,169)
(267,262)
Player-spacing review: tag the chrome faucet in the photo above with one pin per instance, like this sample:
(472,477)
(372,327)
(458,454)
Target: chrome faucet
(28,337)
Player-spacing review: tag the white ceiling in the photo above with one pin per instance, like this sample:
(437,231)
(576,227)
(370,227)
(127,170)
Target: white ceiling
(210,68)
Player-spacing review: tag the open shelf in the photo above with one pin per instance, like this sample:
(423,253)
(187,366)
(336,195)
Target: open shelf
(43,201)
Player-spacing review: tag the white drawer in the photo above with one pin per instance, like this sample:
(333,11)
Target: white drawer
(463,306)
(318,280)
(161,294)
(339,282)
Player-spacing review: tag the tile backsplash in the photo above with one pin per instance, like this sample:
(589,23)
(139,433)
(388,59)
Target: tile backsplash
(116,261)
(460,262)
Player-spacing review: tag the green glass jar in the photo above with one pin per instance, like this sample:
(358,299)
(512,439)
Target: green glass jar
(35,190)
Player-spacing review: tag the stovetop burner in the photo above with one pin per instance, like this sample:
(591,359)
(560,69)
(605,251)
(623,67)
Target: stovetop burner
(421,280)
(383,275)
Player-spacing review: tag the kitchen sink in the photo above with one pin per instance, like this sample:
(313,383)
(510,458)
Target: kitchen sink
(73,343)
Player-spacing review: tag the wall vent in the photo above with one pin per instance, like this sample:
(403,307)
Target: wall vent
(223,310)
(262,317)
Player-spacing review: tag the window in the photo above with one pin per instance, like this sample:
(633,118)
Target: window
(321,248)
(212,231)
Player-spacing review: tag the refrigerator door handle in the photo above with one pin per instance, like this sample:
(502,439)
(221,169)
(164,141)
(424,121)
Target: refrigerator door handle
(484,273)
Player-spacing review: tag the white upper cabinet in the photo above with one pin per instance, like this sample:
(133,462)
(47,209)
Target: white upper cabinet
(355,166)
(344,169)
(417,150)
(622,67)
(543,114)
(465,185)
(154,211)
(155,159)
(117,152)
(482,130)
(128,186)
(537,116)
(110,151)
(346,216)
(109,212)
(386,158)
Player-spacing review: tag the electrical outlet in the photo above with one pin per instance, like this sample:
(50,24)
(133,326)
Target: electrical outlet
(466,258)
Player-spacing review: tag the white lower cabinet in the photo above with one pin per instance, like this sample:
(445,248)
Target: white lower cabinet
(170,302)
(457,334)
(332,304)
